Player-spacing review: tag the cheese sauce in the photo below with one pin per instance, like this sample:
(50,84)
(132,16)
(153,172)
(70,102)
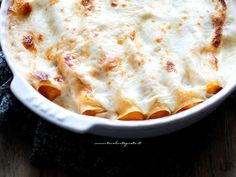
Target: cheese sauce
(112,57)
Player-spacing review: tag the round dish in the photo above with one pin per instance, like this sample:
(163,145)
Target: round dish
(95,125)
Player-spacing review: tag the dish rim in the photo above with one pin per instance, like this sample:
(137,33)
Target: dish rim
(88,122)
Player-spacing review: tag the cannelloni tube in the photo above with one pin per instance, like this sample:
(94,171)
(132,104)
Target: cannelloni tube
(189,106)
(213,87)
(47,89)
(127,110)
(85,101)
(186,100)
(158,110)
(87,104)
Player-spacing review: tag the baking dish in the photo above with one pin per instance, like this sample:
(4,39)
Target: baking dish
(100,126)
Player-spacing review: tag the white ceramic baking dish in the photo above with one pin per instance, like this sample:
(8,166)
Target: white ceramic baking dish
(95,125)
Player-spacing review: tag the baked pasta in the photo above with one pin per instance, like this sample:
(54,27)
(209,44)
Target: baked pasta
(124,59)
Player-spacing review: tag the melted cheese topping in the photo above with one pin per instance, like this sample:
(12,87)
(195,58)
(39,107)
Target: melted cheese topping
(124,59)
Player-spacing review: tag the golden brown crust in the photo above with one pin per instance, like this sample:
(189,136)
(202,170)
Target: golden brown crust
(111,64)
(223,3)
(213,88)
(20,8)
(28,42)
(113,3)
(88,6)
(170,66)
(53,2)
(86,2)
(218,23)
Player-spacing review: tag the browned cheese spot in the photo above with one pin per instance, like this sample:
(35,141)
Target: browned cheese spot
(111,64)
(28,42)
(86,2)
(68,60)
(41,76)
(113,3)
(58,78)
(218,23)
(170,66)
(53,2)
(20,8)
(214,63)
(40,37)
(88,7)
(158,40)
(123,5)
(132,35)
